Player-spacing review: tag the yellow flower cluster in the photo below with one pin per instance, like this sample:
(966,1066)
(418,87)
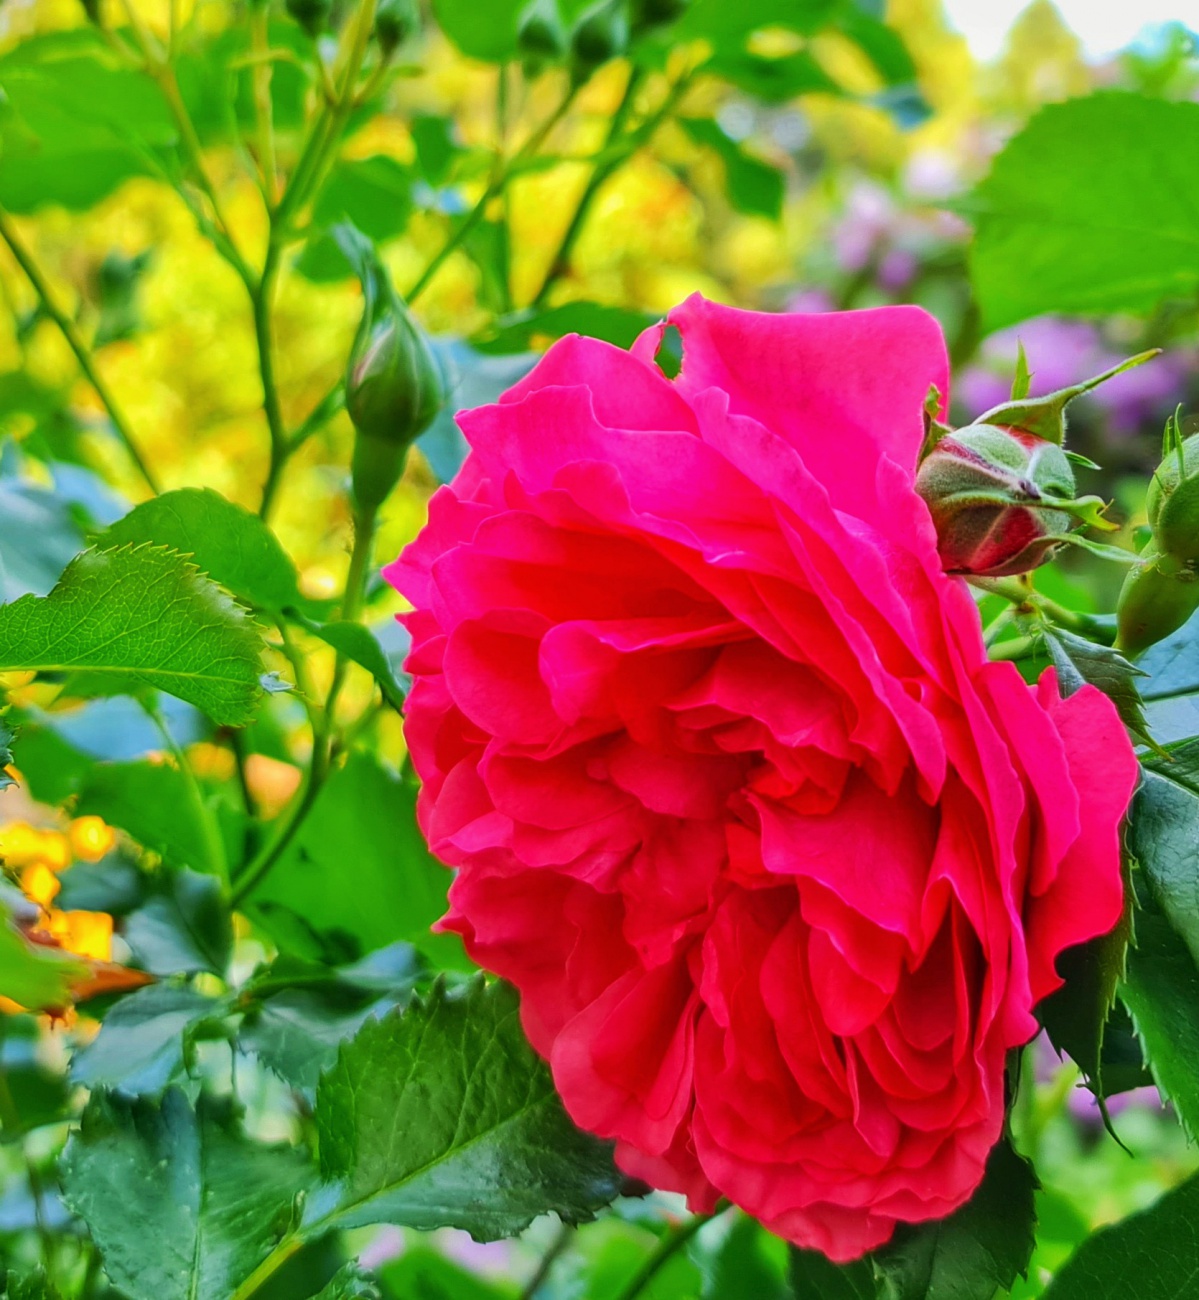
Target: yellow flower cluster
(36,856)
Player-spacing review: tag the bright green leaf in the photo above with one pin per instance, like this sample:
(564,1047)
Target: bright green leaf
(1153,1255)
(359,866)
(1092,207)
(224,540)
(181,1207)
(140,617)
(443,1116)
(481,31)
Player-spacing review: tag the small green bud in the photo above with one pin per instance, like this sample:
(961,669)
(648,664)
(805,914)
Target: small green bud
(312,15)
(602,33)
(394,384)
(1002,501)
(540,32)
(657,13)
(395,22)
(1159,595)
(1172,503)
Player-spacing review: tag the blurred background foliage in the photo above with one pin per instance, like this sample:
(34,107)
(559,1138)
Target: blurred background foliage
(829,162)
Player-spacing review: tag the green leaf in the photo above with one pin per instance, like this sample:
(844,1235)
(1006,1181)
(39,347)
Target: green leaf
(815,1277)
(297,1013)
(1163,837)
(359,866)
(442,1116)
(1090,208)
(755,187)
(978,1249)
(37,977)
(618,325)
(1079,661)
(140,617)
(372,193)
(39,534)
(152,802)
(1161,992)
(749,1264)
(359,644)
(224,541)
(1075,1016)
(774,80)
(730,25)
(75,122)
(1151,1255)
(481,31)
(422,1271)
(436,147)
(349,1283)
(37,1095)
(6,739)
(29,1286)
(51,768)
(141,1046)
(1171,694)
(183,927)
(181,1207)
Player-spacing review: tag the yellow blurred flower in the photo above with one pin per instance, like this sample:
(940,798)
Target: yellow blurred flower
(91,838)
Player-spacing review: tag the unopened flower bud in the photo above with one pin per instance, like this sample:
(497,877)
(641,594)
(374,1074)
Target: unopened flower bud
(1159,595)
(395,385)
(657,13)
(1172,503)
(540,32)
(395,22)
(312,15)
(1002,501)
(602,33)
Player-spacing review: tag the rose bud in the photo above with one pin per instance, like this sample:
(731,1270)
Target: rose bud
(395,385)
(540,34)
(312,15)
(1002,501)
(602,33)
(1159,595)
(395,22)
(1172,503)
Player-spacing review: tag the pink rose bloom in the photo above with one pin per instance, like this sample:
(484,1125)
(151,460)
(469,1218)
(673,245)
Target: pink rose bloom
(779,862)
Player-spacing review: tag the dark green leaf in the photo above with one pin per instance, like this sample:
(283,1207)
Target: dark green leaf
(1163,837)
(153,803)
(113,885)
(297,1013)
(1153,1255)
(978,1249)
(359,644)
(814,1277)
(1078,661)
(141,1045)
(443,1116)
(359,866)
(184,927)
(1065,223)
(618,325)
(180,1207)
(136,618)
(6,738)
(224,540)
(1161,992)
(1179,765)
(754,186)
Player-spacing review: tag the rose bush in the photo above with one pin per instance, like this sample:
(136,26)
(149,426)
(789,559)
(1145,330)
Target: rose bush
(779,862)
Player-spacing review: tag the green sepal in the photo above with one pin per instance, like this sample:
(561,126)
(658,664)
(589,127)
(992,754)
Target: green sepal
(1045,417)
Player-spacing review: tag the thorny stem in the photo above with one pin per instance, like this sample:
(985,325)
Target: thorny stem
(562,1239)
(33,272)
